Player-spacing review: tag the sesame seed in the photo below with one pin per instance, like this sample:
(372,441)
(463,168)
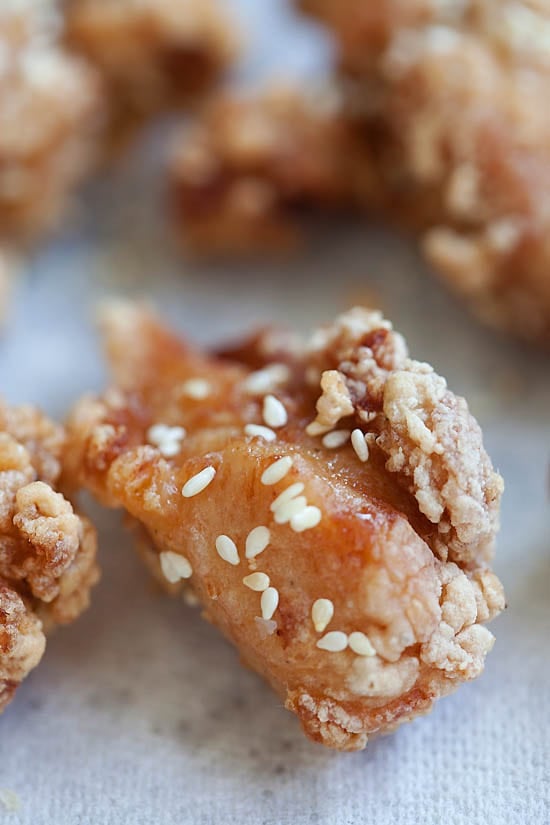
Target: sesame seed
(289,509)
(256,542)
(276,471)
(361,644)
(336,438)
(197,483)
(227,550)
(322,612)
(175,566)
(266,379)
(290,492)
(274,412)
(196,388)
(360,445)
(306,519)
(257,581)
(334,642)
(257,431)
(269,602)
(167,439)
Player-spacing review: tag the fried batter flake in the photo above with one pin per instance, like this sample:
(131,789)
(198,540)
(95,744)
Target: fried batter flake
(395,590)
(47,551)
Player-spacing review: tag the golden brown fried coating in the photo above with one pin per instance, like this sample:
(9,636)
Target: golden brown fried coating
(50,116)
(352,576)
(240,177)
(153,54)
(451,98)
(47,551)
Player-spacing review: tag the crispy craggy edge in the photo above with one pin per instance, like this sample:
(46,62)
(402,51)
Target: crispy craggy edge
(431,635)
(428,437)
(47,551)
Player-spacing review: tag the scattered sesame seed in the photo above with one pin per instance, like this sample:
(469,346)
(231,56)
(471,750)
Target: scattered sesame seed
(288,509)
(269,602)
(360,445)
(322,612)
(257,431)
(336,438)
(274,412)
(227,550)
(257,581)
(266,379)
(334,641)
(361,644)
(290,492)
(256,542)
(276,471)
(167,439)
(306,519)
(197,483)
(196,388)
(175,566)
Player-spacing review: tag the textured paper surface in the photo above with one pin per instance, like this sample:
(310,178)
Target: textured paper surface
(140,713)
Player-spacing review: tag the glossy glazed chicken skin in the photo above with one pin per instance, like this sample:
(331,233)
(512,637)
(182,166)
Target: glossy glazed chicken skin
(47,551)
(350,570)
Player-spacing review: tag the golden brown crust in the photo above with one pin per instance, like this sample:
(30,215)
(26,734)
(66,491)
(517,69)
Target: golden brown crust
(152,54)
(47,552)
(50,117)
(240,176)
(404,623)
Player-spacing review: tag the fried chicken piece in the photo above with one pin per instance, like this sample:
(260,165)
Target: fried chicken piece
(153,54)
(451,99)
(240,177)
(47,551)
(50,116)
(353,576)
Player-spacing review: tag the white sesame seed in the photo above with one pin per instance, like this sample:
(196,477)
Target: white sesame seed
(360,445)
(289,509)
(274,412)
(290,492)
(256,542)
(175,566)
(257,431)
(276,471)
(322,612)
(197,483)
(167,439)
(306,519)
(334,642)
(196,388)
(269,602)
(227,550)
(361,644)
(257,581)
(266,379)
(336,438)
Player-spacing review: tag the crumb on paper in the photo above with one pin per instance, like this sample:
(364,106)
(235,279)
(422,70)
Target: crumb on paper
(9,800)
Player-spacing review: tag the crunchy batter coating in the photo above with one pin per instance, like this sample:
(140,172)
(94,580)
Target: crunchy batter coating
(442,126)
(153,54)
(241,175)
(348,565)
(451,98)
(47,551)
(50,115)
